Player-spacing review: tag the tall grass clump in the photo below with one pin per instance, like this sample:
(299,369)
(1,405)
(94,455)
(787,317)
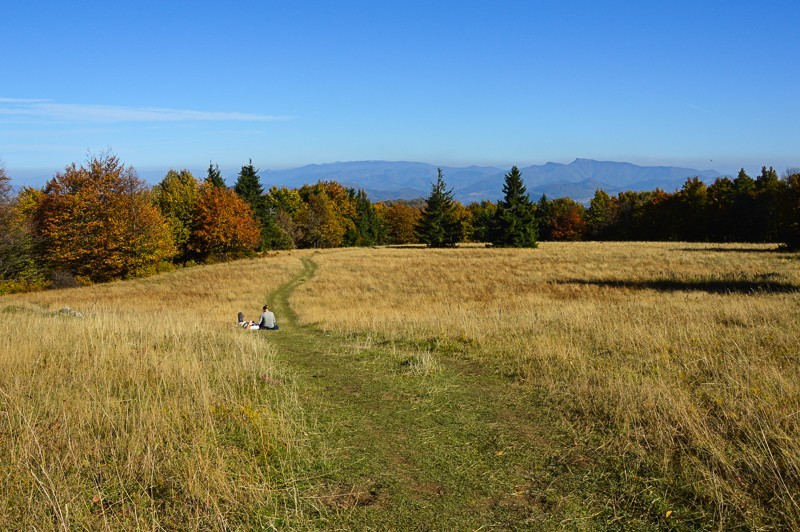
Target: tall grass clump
(681,360)
(143,406)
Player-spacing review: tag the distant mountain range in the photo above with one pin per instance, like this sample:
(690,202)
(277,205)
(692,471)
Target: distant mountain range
(384,180)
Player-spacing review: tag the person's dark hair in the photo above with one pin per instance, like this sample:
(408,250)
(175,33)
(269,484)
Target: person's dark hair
(265,308)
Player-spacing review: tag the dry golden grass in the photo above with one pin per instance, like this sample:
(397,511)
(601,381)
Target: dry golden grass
(684,358)
(152,410)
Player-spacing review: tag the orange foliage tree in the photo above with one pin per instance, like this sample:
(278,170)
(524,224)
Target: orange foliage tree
(223,225)
(97,222)
(567,220)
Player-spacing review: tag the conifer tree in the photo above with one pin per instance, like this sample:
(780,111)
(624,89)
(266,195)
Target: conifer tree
(249,188)
(514,223)
(544,208)
(368,229)
(214,176)
(439,225)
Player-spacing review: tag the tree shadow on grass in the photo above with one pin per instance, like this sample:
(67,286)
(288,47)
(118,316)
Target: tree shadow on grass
(714,286)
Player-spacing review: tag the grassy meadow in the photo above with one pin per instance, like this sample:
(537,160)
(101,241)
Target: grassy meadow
(152,410)
(680,361)
(574,386)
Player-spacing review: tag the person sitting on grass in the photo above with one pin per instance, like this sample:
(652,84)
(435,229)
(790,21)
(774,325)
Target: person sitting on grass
(267,320)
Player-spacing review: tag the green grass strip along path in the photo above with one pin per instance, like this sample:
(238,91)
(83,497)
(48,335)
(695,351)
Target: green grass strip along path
(417,440)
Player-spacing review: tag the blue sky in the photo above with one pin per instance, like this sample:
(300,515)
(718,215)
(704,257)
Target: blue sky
(706,84)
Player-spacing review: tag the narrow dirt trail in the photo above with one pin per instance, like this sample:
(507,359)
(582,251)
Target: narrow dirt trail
(429,441)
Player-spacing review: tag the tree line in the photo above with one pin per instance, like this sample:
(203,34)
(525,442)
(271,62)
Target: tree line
(99,222)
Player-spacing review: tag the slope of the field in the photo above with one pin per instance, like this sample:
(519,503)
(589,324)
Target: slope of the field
(573,386)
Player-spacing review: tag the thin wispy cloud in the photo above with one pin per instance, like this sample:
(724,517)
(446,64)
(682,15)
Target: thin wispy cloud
(22,100)
(693,106)
(48,110)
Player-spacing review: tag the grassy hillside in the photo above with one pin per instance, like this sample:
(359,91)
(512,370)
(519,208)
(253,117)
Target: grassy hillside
(578,385)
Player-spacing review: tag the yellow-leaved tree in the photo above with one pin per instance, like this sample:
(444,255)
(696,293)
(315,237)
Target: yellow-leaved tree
(176,197)
(326,215)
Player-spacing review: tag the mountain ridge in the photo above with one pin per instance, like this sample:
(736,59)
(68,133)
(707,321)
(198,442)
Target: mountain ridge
(384,180)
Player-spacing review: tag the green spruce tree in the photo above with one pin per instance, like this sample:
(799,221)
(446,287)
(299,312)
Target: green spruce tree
(249,188)
(544,210)
(214,177)
(368,229)
(439,225)
(514,223)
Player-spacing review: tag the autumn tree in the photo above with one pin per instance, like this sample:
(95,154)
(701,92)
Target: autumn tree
(601,215)
(464,217)
(283,203)
(176,197)
(514,223)
(439,226)
(98,222)
(223,225)
(326,215)
(400,219)
(567,220)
